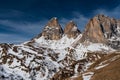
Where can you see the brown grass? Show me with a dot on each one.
(75, 78)
(106, 57)
(110, 72)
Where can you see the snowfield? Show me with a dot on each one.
(45, 58)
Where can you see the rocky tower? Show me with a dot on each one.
(52, 30)
(102, 29)
(71, 30)
(93, 32)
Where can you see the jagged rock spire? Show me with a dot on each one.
(53, 22)
(93, 32)
(102, 29)
(71, 30)
(52, 30)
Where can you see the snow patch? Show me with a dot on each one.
(74, 28)
(63, 43)
(94, 47)
(99, 67)
(87, 76)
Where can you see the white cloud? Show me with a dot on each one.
(79, 19)
(11, 38)
(8, 13)
(27, 30)
(111, 13)
(82, 20)
(34, 28)
(28, 27)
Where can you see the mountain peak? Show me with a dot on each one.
(53, 22)
(52, 30)
(100, 15)
(71, 30)
(102, 29)
(70, 26)
(93, 32)
(53, 56)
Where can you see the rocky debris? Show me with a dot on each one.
(39, 63)
(52, 30)
(4, 75)
(28, 60)
(76, 67)
(36, 60)
(71, 30)
(5, 48)
(106, 67)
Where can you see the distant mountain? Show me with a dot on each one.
(57, 54)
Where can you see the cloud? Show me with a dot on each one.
(112, 13)
(82, 20)
(78, 18)
(8, 13)
(19, 31)
(12, 38)
(30, 29)
(25, 26)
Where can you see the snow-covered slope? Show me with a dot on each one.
(47, 57)
(63, 43)
(42, 59)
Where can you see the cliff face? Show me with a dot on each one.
(59, 55)
(93, 32)
(71, 30)
(99, 29)
(52, 30)
(102, 29)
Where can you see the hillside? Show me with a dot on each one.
(66, 54)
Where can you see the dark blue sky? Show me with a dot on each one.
(20, 20)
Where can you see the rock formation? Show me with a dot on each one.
(93, 32)
(102, 29)
(53, 56)
(71, 30)
(52, 30)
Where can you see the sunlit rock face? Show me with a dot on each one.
(102, 29)
(52, 30)
(57, 55)
(71, 30)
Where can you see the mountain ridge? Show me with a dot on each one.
(57, 54)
